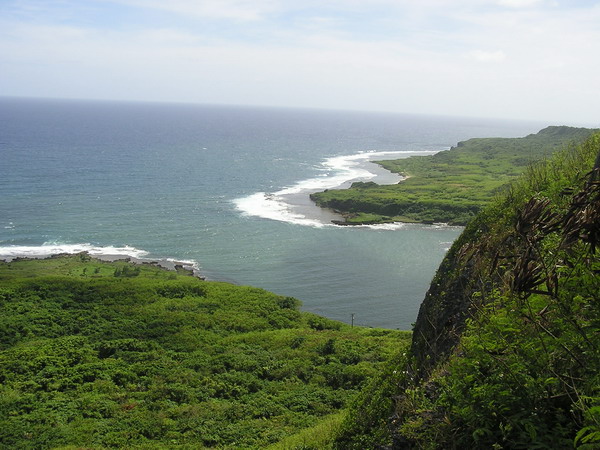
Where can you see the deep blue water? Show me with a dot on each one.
(227, 188)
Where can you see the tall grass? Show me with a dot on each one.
(318, 437)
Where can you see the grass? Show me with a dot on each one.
(319, 437)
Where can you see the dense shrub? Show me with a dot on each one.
(162, 360)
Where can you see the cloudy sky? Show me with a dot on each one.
(527, 59)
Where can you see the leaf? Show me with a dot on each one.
(586, 435)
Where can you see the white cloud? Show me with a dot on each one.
(468, 60)
(239, 10)
(487, 56)
(519, 3)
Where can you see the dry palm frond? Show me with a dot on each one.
(528, 273)
(536, 216)
(582, 221)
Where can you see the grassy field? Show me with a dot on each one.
(115, 355)
(450, 186)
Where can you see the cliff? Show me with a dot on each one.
(506, 347)
(505, 350)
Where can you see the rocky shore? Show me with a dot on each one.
(167, 264)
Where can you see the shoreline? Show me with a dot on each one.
(372, 220)
(167, 264)
(293, 204)
(164, 263)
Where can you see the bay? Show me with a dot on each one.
(226, 188)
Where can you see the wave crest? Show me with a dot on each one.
(52, 248)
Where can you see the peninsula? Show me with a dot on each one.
(450, 186)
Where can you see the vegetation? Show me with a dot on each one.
(112, 355)
(522, 368)
(505, 352)
(367, 424)
(450, 186)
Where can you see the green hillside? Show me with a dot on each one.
(506, 347)
(450, 186)
(505, 352)
(114, 355)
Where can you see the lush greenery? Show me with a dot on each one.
(525, 372)
(367, 424)
(505, 353)
(99, 355)
(450, 186)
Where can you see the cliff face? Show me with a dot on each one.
(442, 315)
(506, 347)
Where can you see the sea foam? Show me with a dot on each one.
(275, 207)
(109, 253)
(289, 205)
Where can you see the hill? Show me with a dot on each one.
(451, 186)
(115, 355)
(506, 348)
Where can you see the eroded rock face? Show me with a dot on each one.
(450, 300)
(442, 315)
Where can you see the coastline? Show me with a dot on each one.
(164, 263)
(167, 264)
(294, 204)
(449, 186)
(361, 218)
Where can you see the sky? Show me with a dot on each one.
(514, 59)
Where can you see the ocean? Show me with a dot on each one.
(225, 189)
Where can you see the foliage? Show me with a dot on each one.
(525, 371)
(367, 422)
(111, 355)
(319, 437)
(450, 186)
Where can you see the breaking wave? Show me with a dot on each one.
(289, 204)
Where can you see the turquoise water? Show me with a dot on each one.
(226, 188)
